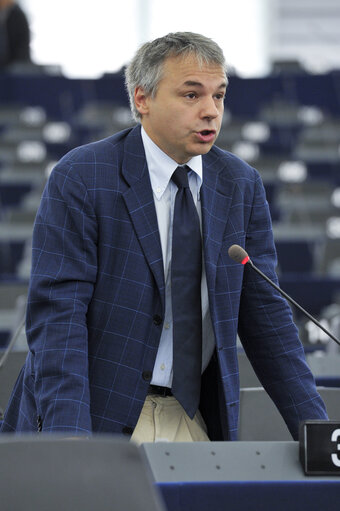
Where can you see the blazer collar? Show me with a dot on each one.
(140, 204)
(216, 195)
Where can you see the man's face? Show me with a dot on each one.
(184, 118)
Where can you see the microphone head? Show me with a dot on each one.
(238, 254)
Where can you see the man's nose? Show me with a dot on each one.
(209, 108)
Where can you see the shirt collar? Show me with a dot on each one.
(161, 166)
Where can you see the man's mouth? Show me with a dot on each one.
(206, 135)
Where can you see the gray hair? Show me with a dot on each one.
(146, 68)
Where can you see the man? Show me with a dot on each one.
(103, 319)
(14, 34)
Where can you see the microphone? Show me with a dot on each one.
(239, 255)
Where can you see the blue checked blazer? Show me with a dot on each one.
(96, 297)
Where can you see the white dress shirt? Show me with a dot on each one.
(161, 167)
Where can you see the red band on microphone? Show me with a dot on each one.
(245, 260)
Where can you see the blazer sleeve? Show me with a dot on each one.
(266, 327)
(64, 266)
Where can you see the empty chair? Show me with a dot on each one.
(319, 142)
(11, 252)
(23, 173)
(13, 296)
(328, 260)
(11, 194)
(281, 112)
(295, 256)
(15, 134)
(10, 291)
(98, 473)
(313, 292)
(306, 203)
(267, 165)
(10, 114)
(231, 132)
(9, 371)
(104, 115)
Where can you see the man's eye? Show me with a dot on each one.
(191, 95)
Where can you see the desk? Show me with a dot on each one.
(238, 476)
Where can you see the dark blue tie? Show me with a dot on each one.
(186, 273)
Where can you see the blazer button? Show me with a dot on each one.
(127, 430)
(147, 375)
(39, 424)
(157, 320)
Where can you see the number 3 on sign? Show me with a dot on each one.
(335, 457)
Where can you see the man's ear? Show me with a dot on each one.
(141, 100)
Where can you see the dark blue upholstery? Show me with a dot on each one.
(252, 496)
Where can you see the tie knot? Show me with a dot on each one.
(180, 177)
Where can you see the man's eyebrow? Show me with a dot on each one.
(193, 83)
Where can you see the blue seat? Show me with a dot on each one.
(328, 381)
(295, 256)
(312, 292)
(4, 337)
(281, 142)
(11, 253)
(11, 194)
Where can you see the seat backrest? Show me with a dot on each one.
(100, 473)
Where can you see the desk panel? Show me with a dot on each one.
(252, 496)
(238, 476)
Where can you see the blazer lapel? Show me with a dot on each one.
(140, 204)
(216, 195)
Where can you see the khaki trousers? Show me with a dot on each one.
(163, 419)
